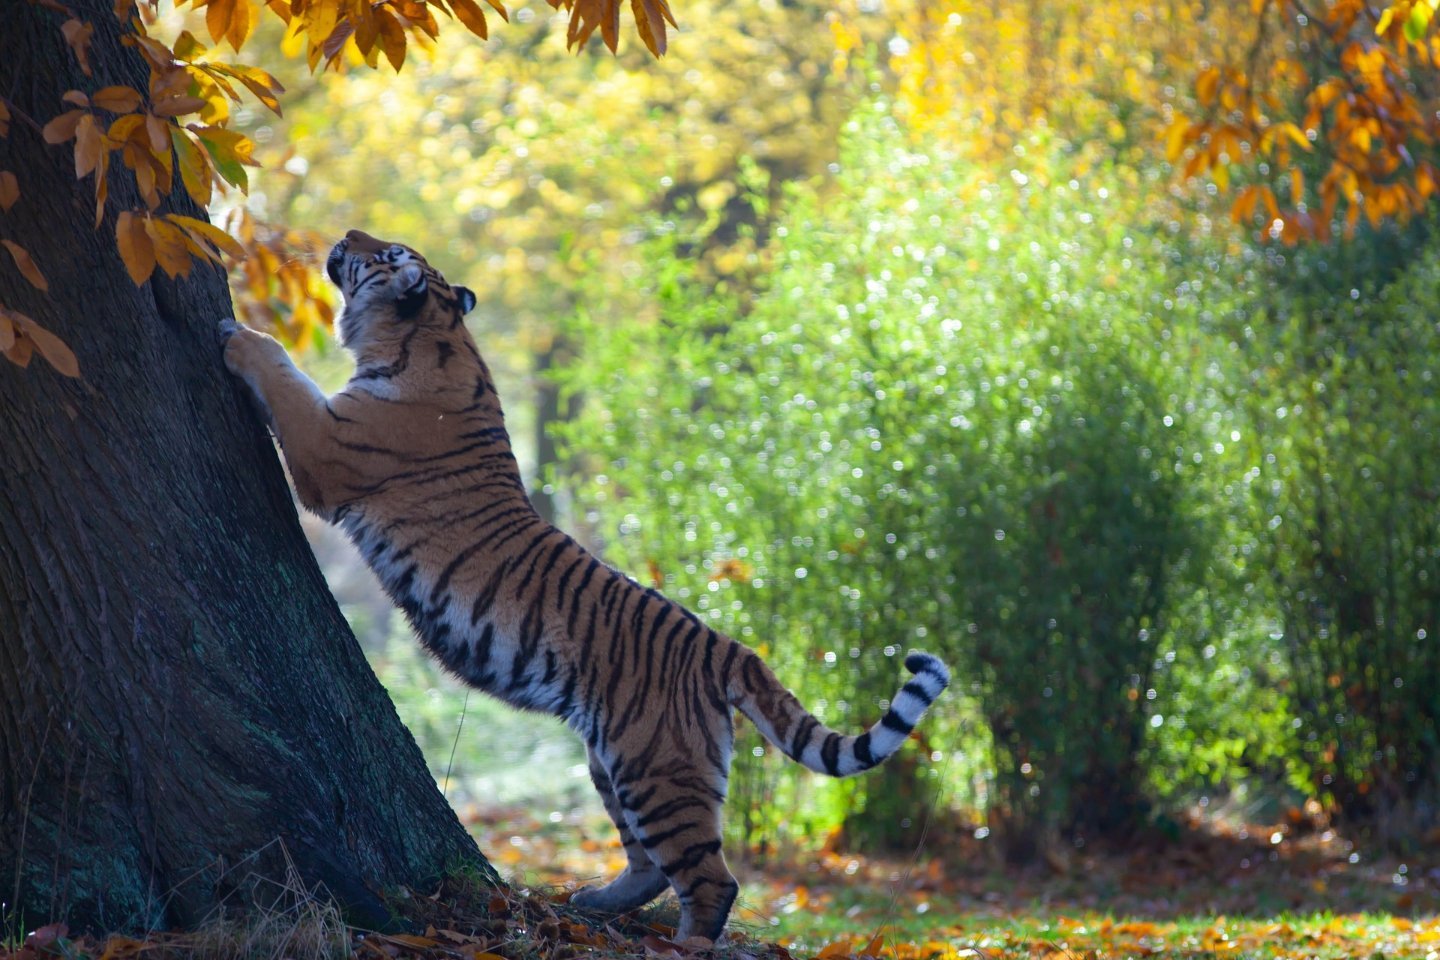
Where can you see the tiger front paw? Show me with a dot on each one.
(247, 350)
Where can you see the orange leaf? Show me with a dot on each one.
(51, 347)
(4, 119)
(62, 128)
(217, 17)
(78, 35)
(9, 190)
(117, 99)
(844, 947)
(472, 16)
(159, 133)
(26, 265)
(136, 249)
(392, 38)
(7, 331)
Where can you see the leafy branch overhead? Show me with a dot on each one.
(175, 133)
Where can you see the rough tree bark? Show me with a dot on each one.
(182, 707)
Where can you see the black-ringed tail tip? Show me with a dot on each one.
(808, 741)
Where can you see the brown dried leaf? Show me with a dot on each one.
(174, 106)
(78, 35)
(75, 98)
(62, 128)
(89, 144)
(9, 190)
(392, 38)
(62, 358)
(26, 265)
(7, 331)
(119, 99)
(136, 250)
(159, 132)
(19, 354)
(4, 119)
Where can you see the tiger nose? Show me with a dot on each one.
(362, 242)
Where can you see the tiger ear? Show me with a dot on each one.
(464, 299)
(411, 288)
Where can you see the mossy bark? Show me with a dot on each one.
(183, 711)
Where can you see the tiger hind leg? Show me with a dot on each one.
(641, 881)
(677, 821)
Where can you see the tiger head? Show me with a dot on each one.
(389, 289)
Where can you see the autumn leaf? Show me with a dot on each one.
(217, 17)
(89, 143)
(174, 106)
(136, 250)
(118, 99)
(77, 37)
(4, 119)
(230, 151)
(194, 167)
(210, 233)
(171, 252)
(392, 38)
(26, 265)
(62, 128)
(9, 190)
(51, 347)
(470, 14)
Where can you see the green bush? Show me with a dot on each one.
(1343, 482)
(965, 416)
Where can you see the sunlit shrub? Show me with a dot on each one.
(1344, 485)
(958, 419)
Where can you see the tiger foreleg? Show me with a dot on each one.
(290, 401)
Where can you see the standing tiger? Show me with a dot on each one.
(413, 460)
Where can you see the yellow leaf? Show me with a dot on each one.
(242, 22)
(117, 99)
(26, 265)
(210, 233)
(51, 347)
(9, 190)
(136, 250)
(170, 249)
(194, 166)
(1206, 85)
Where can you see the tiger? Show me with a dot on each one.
(412, 459)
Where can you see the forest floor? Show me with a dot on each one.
(1271, 892)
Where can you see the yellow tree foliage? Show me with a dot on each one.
(1328, 115)
(176, 134)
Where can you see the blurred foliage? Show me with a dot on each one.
(1343, 487)
(898, 329)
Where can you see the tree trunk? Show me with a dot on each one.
(183, 710)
